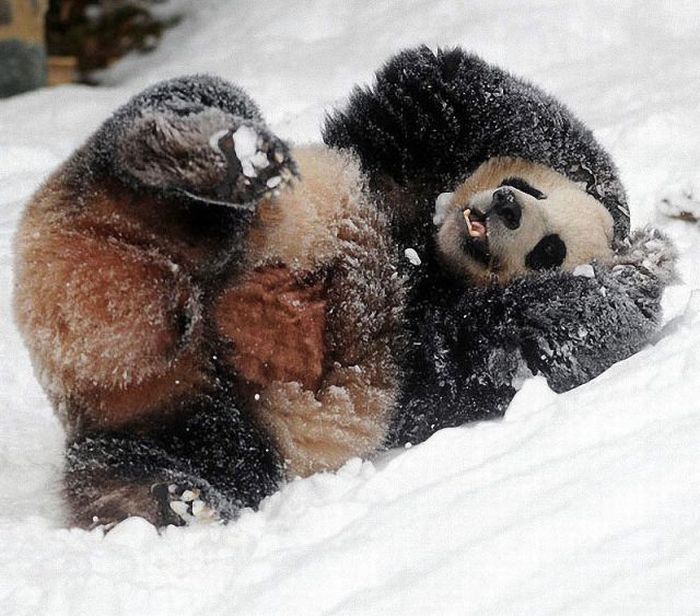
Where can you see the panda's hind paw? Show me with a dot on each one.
(258, 163)
(181, 505)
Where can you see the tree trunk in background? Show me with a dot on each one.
(22, 48)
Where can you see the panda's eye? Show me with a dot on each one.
(549, 252)
(521, 184)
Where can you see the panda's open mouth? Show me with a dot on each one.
(476, 224)
(476, 241)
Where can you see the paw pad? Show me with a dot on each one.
(258, 163)
(184, 503)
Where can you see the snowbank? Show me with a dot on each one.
(587, 502)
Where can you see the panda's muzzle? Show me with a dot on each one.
(504, 204)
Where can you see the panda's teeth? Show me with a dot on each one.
(469, 222)
(475, 228)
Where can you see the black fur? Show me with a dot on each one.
(432, 118)
(213, 447)
(426, 124)
(549, 252)
(524, 186)
(159, 142)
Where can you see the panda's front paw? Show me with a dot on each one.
(650, 251)
(182, 505)
(258, 164)
(681, 200)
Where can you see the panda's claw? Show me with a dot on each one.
(182, 506)
(257, 164)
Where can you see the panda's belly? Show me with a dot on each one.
(273, 323)
(318, 412)
(316, 375)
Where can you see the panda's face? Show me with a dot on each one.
(532, 221)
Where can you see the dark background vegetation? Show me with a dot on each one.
(97, 32)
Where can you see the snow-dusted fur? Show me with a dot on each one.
(431, 119)
(206, 324)
(429, 122)
(472, 347)
(203, 322)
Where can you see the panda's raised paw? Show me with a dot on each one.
(258, 164)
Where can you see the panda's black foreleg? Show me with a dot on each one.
(463, 365)
(571, 328)
(198, 137)
(471, 351)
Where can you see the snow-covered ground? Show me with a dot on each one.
(581, 503)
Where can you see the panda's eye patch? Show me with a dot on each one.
(549, 252)
(521, 184)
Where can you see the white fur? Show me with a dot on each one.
(583, 223)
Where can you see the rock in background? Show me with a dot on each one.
(22, 48)
(94, 33)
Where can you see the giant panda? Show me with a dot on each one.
(211, 311)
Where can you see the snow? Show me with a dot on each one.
(245, 143)
(586, 270)
(582, 503)
(412, 256)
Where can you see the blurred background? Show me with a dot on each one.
(51, 42)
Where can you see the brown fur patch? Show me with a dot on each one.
(152, 398)
(112, 321)
(276, 325)
(346, 418)
(193, 235)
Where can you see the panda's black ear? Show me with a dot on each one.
(549, 252)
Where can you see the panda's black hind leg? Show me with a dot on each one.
(220, 443)
(205, 464)
(109, 477)
(197, 137)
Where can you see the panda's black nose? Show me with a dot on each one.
(506, 207)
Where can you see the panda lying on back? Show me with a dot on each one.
(211, 312)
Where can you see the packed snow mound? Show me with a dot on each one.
(580, 503)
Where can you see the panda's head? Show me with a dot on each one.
(513, 217)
